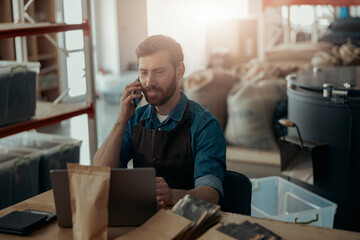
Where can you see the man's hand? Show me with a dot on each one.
(163, 192)
(170, 196)
(127, 108)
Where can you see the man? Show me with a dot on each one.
(176, 136)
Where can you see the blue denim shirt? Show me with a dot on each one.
(207, 140)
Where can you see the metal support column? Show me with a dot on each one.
(20, 42)
(89, 74)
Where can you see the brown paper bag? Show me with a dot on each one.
(89, 197)
(164, 225)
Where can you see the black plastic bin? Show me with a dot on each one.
(55, 152)
(19, 175)
(17, 91)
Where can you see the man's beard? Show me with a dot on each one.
(164, 94)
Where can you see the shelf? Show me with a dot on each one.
(43, 57)
(8, 30)
(46, 114)
(338, 3)
(51, 88)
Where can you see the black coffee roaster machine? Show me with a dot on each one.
(323, 128)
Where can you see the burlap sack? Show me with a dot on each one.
(210, 88)
(345, 55)
(251, 106)
(325, 59)
(258, 70)
(89, 197)
(299, 52)
(350, 55)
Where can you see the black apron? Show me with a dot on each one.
(169, 152)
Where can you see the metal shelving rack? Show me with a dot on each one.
(279, 3)
(47, 113)
(336, 3)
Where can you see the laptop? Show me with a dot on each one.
(132, 197)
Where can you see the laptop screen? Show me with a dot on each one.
(132, 197)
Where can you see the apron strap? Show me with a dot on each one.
(185, 120)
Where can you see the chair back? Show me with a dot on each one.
(237, 193)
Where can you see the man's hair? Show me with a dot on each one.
(157, 43)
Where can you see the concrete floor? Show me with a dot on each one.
(77, 128)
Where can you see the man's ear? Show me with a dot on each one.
(180, 70)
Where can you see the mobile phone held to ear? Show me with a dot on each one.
(136, 100)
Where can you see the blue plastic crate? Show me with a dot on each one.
(279, 199)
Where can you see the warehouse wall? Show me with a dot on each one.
(132, 29)
(120, 25)
(106, 35)
(187, 22)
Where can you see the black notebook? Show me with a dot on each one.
(21, 223)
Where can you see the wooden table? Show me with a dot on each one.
(286, 230)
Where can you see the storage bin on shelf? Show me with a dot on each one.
(19, 175)
(277, 198)
(55, 152)
(17, 91)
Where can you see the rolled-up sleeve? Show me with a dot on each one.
(209, 153)
(212, 181)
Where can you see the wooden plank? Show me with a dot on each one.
(46, 114)
(48, 109)
(45, 202)
(27, 29)
(7, 49)
(5, 16)
(288, 230)
(241, 154)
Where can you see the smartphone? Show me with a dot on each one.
(136, 100)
